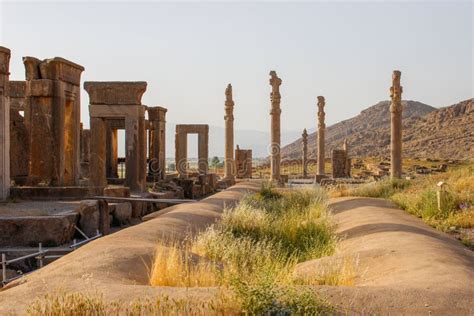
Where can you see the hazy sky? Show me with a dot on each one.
(188, 52)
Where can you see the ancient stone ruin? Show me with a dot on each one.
(396, 109)
(182, 131)
(275, 113)
(321, 136)
(341, 163)
(157, 145)
(304, 158)
(117, 105)
(243, 161)
(229, 164)
(52, 115)
(19, 137)
(4, 123)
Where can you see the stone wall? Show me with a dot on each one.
(340, 164)
(4, 123)
(53, 120)
(19, 135)
(243, 162)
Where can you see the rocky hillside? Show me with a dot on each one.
(446, 133)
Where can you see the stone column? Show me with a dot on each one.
(98, 175)
(304, 159)
(4, 123)
(275, 113)
(157, 119)
(396, 126)
(229, 164)
(135, 153)
(345, 147)
(321, 135)
(112, 152)
(181, 144)
(203, 151)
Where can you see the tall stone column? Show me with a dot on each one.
(275, 113)
(229, 163)
(181, 145)
(4, 123)
(203, 151)
(157, 118)
(321, 135)
(98, 177)
(396, 126)
(304, 159)
(135, 153)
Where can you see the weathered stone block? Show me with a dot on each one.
(122, 214)
(40, 88)
(117, 192)
(89, 217)
(118, 93)
(28, 231)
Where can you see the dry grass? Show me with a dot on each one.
(339, 272)
(250, 256)
(93, 304)
(176, 265)
(418, 196)
(254, 250)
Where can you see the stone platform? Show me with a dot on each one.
(52, 193)
(28, 223)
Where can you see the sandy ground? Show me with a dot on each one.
(401, 266)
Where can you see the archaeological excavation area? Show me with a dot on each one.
(77, 218)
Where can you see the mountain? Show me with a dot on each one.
(446, 133)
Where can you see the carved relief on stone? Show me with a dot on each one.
(229, 103)
(321, 114)
(396, 91)
(275, 95)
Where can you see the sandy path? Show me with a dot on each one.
(403, 266)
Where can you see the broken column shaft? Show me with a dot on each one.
(304, 159)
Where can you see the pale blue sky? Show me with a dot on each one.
(188, 52)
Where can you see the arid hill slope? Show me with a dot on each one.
(445, 133)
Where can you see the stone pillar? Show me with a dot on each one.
(321, 135)
(53, 121)
(135, 153)
(181, 146)
(85, 153)
(229, 163)
(304, 158)
(275, 113)
(4, 123)
(203, 151)
(112, 152)
(345, 147)
(396, 126)
(243, 162)
(157, 121)
(19, 135)
(98, 175)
